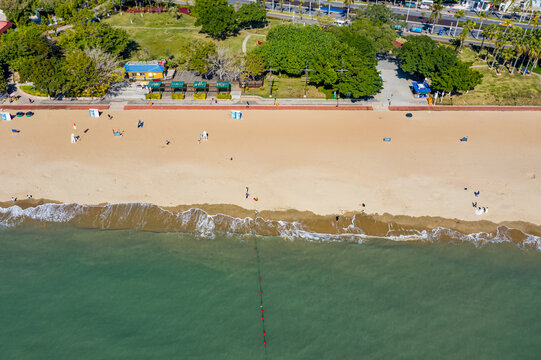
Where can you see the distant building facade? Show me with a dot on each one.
(145, 70)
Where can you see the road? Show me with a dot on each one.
(426, 30)
(447, 21)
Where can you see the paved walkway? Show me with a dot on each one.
(396, 86)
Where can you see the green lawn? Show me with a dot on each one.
(284, 87)
(469, 55)
(504, 89)
(162, 35)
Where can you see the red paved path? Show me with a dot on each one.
(53, 107)
(464, 108)
(243, 107)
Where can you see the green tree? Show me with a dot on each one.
(81, 73)
(507, 54)
(467, 27)
(520, 48)
(436, 14)
(421, 56)
(90, 35)
(488, 33)
(195, 55)
(459, 77)
(216, 17)
(348, 4)
(17, 11)
(47, 75)
(379, 14)
(3, 83)
(458, 15)
(24, 42)
(254, 65)
(482, 17)
(289, 47)
(252, 15)
(381, 34)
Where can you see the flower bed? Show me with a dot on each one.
(202, 96)
(223, 96)
(153, 96)
(179, 96)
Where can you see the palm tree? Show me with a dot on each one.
(436, 14)
(507, 23)
(467, 27)
(500, 42)
(507, 54)
(535, 51)
(488, 33)
(520, 48)
(482, 16)
(534, 21)
(348, 3)
(458, 14)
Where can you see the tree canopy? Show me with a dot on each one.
(252, 15)
(108, 38)
(376, 22)
(254, 65)
(216, 17)
(424, 58)
(24, 42)
(340, 60)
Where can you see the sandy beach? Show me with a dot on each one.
(326, 162)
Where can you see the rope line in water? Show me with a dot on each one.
(260, 286)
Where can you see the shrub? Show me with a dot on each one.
(29, 89)
(223, 96)
(178, 96)
(153, 96)
(200, 96)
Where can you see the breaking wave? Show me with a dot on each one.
(148, 217)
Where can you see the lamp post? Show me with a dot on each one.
(341, 71)
(270, 70)
(306, 70)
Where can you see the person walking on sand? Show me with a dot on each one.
(247, 193)
(205, 135)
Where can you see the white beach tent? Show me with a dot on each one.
(5, 116)
(94, 113)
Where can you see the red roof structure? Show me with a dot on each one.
(4, 25)
(397, 44)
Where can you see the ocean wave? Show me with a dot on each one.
(149, 217)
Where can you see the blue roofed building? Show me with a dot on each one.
(145, 70)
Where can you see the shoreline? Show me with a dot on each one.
(150, 217)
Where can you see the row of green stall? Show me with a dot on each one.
(199, 88)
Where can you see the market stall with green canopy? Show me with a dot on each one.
(200, 90)
(223, 87)
(177, 86)
(153, 85)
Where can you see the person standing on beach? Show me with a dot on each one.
(247, 194)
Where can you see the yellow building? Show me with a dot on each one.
(145, 70)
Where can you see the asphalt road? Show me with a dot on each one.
(447, 20)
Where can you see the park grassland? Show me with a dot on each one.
(162, 35)
(285, 87)
(503, 89)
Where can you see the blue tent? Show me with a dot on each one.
(421, 88)
(325, 9)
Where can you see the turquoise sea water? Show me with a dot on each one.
(69, 293)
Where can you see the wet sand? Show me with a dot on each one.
(322, 162)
